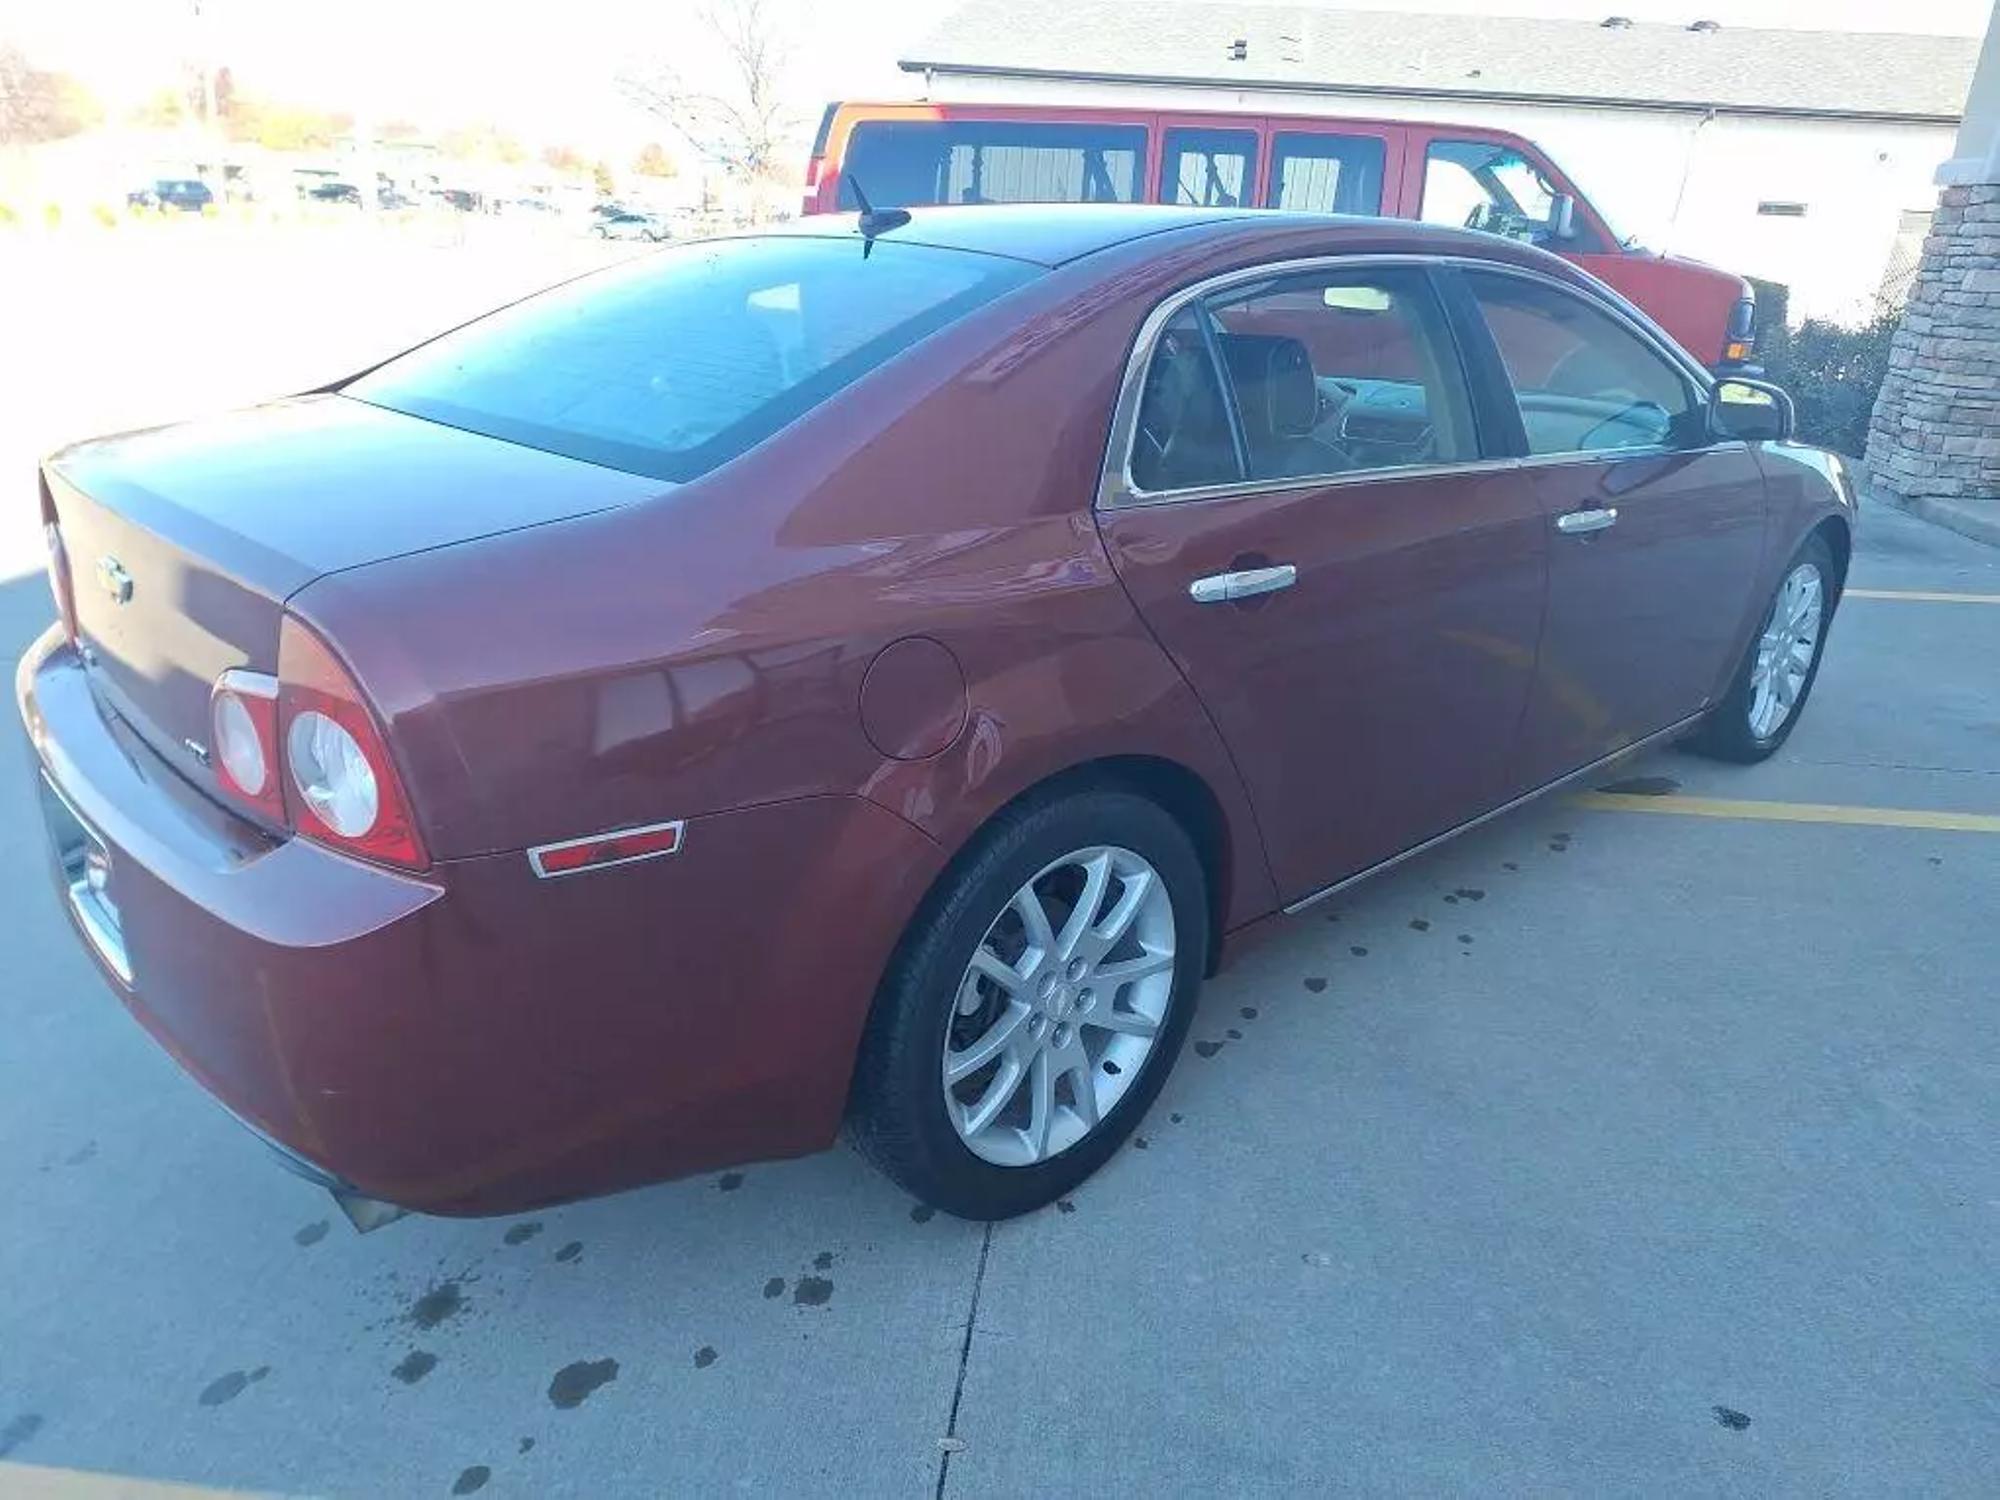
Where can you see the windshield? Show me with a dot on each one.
(674, 364)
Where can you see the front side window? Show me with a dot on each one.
(1320, 173)
(674, 364)
(1208, 168)
(1585, 382)
(1340, 371)
(899, 163)
(1483, 185)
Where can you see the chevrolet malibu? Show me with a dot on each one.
(862, 673)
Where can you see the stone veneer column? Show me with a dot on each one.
(1935, 432)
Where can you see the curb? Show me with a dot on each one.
(1978, 519)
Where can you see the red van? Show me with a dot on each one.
(1463, 175)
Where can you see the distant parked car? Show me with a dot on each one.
(335, 192)
(939, 639)
(629, 226)
(185, 194)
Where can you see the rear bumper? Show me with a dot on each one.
(477, 1040)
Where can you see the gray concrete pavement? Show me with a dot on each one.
(1594, 1154)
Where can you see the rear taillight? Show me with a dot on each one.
(243, 740)
(336, 775)
(1740, 337)
(61, 583)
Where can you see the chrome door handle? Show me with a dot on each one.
(1220, 588)
(1582, 522)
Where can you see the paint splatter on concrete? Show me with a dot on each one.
(574, 1383)
(520, 1234)
(414, 1366)
(224, 1388)
(312, 1234)
(471, 1479)
(812, 1291)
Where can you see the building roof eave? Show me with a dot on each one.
(1365, 90)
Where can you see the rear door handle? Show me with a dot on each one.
(1220, 588)
(1583, 522)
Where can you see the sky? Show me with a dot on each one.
(543, 69)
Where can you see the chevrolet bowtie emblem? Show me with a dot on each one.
(114, 580)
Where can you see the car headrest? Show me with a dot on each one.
(1275, 386)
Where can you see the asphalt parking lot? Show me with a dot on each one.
(1598, 1153)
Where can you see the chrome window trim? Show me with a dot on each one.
(1117, 490)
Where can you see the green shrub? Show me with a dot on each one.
(1833, 374)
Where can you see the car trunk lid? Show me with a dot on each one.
(184, 542)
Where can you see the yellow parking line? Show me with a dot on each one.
(1789, 812)
(1921, 596)
(34, 1482)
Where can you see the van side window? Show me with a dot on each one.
(1585, 382)
(1321, 173)
(900, 163)
(1208, 168)
(1182, 436)
(1334, 371)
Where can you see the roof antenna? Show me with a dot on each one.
(873, 220)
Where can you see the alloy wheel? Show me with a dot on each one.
(1060, 1006)
(1785, 650)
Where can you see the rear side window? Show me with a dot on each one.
(1585, 382)
(678, 362)
(1313, 172)
(904, 162)
(1208, 168)
(1182, 437)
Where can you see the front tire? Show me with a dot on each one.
(1770, 688)
(1036, 1005)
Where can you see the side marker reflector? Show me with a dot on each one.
(600, 851)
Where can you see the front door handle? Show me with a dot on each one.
(1583, 522)
(1220, 588)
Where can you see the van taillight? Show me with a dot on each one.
(1740, 337)
(332, 764)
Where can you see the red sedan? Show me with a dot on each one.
(863, 672)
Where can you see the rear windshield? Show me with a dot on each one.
(906, 162)
(680, 361)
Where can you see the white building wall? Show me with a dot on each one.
(1854, 177)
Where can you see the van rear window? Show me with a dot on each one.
(677, 362)
(900, 163)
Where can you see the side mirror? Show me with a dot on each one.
(1562, 217)
(1751, 411)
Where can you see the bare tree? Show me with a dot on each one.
(738, 122)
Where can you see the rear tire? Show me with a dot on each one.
(1769, 691)
(1087, 1031)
